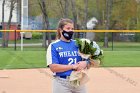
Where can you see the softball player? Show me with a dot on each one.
(62, 58)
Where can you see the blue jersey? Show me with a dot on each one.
(65, 53)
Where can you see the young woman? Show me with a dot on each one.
(62, 58)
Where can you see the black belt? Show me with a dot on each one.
(63, 77)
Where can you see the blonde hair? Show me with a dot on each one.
(61, 24)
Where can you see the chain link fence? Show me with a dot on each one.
(35, 39)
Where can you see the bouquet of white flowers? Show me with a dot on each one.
(91, 51)
(88, 51)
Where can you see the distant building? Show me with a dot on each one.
(12, 34)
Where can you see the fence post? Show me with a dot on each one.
(21, 33)
(15, 41)
(112, 41)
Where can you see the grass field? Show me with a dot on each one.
(22, 59)
(121, 58)
(124, 55)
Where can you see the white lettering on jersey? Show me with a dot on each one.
(68, 53)
(61, 54)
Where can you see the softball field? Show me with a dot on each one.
(102, 80)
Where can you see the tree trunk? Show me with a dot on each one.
(97, 7)
(12, 4)
(74, 13)
(86, 13)
(86, 16)
(66, 8)
(61, 8)
(19, 12)
(108, 14)
(46, 20)
(138, 16)
(3, 35)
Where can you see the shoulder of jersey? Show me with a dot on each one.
(56, 41)
(73, 40)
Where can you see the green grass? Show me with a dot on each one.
(124, 55)
(121, 58)
(36, 59)
(22, 59)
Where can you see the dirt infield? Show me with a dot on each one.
(102, 80)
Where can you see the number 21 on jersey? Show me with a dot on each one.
(72, 61)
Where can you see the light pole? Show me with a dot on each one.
(24, 19)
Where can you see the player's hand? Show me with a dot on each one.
(82, 65)
(75, 66)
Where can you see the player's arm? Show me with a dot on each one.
(62, 68)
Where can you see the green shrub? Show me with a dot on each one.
(137, 37)
(36, 35)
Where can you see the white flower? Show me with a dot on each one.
(84, 41)
(102, 52)
(95, 45)
(87, 40)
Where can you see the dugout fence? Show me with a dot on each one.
(124, 41)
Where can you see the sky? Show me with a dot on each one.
(7, 10)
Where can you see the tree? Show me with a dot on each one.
(63, 7)
(19, 11)
(124, 13)
(108, 16)
(86, 15)
(3, 35)
(111, 14)
(12, 6)
(66, 8)
(42, 5)
(6, 34)
(138, 14)
(74, 13)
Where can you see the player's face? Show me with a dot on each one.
(67, 31)
(68, 27)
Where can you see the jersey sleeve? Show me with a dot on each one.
(51, 56)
